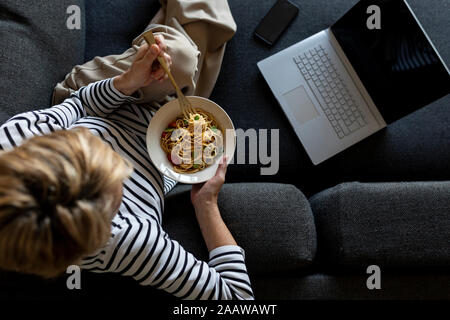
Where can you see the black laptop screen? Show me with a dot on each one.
(396, 63)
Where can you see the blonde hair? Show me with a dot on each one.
(56, 200)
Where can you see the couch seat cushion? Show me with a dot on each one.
(273, 223)
(389, 224)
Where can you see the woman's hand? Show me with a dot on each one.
(206, 194)
(145, 68)
(204, 198)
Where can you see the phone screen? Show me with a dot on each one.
(276, 21)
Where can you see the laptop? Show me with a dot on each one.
(353, 79)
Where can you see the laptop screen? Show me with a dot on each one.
(396, 63)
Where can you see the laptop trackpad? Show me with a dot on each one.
(300, 105)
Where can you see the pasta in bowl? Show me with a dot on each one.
(188, 149)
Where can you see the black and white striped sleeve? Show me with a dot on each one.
(146, 253)
(40, 122)
(101, 98)
(97, 99)
(169, 184)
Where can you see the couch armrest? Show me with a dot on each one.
(389, 224)
(273, 223)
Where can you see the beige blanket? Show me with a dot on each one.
(195, 32)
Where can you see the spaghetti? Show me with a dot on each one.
(193, 143)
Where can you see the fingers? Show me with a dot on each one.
(211, 188)
(197, 187)
(224, 160)
(141, 52)
(159, 74)
(222, 169)
(152, 54)
(161, 45)
(147, 57)
(160, 42)
(168, 60)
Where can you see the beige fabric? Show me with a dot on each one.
(195, 32)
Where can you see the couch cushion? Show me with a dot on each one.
(400, 152)
(111, 31)
(389, 224)
(94, 286)
(273, 223)
(420, 286)
(37, 52)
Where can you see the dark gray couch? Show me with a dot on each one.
(311, 244)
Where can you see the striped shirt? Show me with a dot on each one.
(138, 246)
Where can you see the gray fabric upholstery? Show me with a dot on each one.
(272, 222)
(348, 287)
(388, 224)
(94, 286)
(37, 51)
(399, 153)
(111, 31)
(414, 148)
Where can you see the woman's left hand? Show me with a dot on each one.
(205, 194)
(145, 68)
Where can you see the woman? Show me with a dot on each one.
(66, 197)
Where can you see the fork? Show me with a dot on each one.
(185, 105)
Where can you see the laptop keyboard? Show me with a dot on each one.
(338, 105)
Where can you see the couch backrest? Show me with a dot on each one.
(37, 50)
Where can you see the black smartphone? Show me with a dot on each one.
(276, 21)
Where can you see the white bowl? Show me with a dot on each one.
(165, 115)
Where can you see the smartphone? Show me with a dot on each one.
(276, 21)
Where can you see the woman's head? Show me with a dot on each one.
(58, 194)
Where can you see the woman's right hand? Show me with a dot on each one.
(145, 68)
